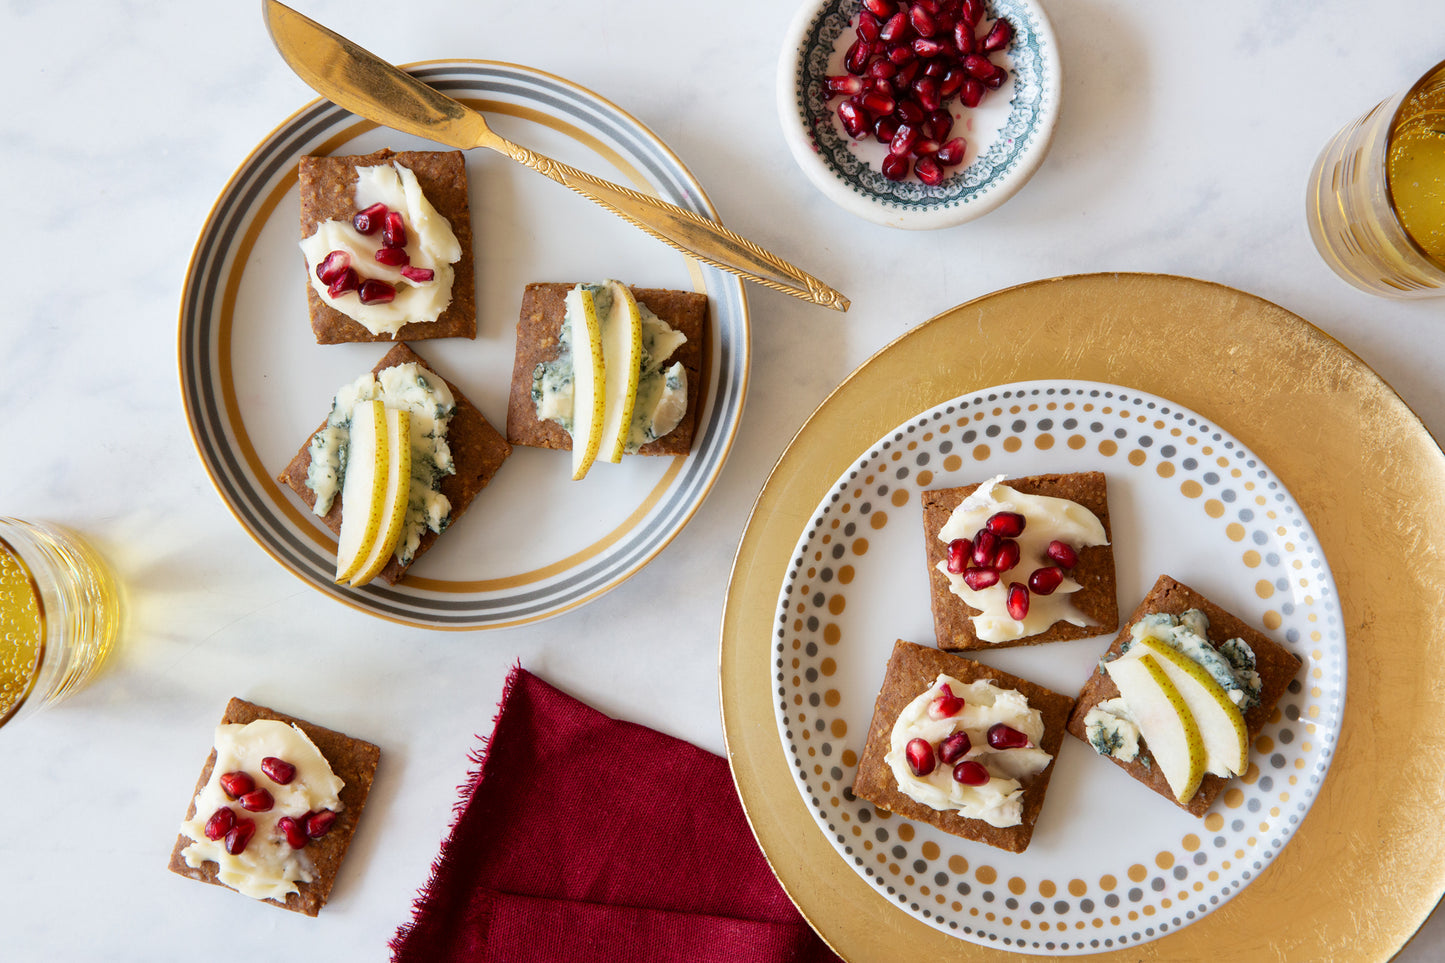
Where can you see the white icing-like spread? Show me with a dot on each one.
(268, 868)
(999, 802)
(1047, 518)
(430, 243)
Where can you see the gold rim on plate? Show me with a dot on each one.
(1367, 474)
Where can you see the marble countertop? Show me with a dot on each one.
(1186, 137)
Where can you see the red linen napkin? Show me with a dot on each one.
(581, 837)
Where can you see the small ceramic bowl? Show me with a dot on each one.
(1007, 134)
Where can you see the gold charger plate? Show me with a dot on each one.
(1364, 469)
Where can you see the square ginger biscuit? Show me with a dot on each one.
(478, 450)
(953, 618)
(543, 308)
(353, 760)
(911, 670)
(328, 192)
(1275, 664)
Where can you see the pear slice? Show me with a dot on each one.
(363, 490)
(1165, 722)
(622, 349)
(398, 495)
(589, 380)
(1221, 724)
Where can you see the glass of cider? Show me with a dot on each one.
(1376, 197)
(60, 614)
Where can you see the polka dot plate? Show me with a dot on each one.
(1111, 863)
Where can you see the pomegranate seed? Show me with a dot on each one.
(909, 112)
(393, 230)
(855, 61)
(903, 141)
(319, 823)
(985, 548)
(417, 275)
(938, 125)
(958, 552)
(878, 103)
(927, 90)
(844, 84)
(970, 773)
(278, 770)
(881, 84)
(1043, 581)
(895, 167)
(951, 153)
(925, 147)
(935, 68)
(295, 835)
(1063, 553)
(368, 219)
(996, 79)
(237, 784)
(951, 82)
(257, 801)
(928, 49)
(901, 54)
(239, 835)
(954, 748)
(971, 93)
(885, 128)
(854, 117)
(1001, 736)
(392, 256)
(922, 20)
(999, 37)
(868, 26)
(896, 28)
(1018, 601)
(349, 281)
(375, 291)
(945, 21)
(963, 38)
(920, 756)
(882, 9)
(979, 67)
(1007, 557)
(906, 73)
(972, 11)
(220, 823)
(880, 70)
(945, 705)
(928, 170)
(1007, 524)
(979, 579)
(333, 266)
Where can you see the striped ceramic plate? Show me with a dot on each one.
(533, 544)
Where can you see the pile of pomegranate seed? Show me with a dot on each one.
(910, 61)
(240, 786)
(335, 270)
(983, 560)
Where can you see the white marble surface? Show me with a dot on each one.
(1186, 137)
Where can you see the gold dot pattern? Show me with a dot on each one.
(1010, 901)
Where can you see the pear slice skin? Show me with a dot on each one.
(396, 499)
(622, 352)
(589, 380)
(363, 489)
(1221, 723)
(1165, 722)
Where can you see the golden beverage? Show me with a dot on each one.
(60, 615)
(1376, 197)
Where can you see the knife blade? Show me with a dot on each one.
(366, 85)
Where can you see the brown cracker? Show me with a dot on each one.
(478, 450)
(328, 192)
(1275, 664)
(543, 308)
(353, 760)
(911, 670)
(1098, 597)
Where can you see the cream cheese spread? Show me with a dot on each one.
(999, 802)
(430, 244)
(426, 396)
(661, 389)
(1048, 518)
(268, 868)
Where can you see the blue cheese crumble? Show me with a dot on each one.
(430, 402)
(1231, 664)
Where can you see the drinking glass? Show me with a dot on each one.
(1376, 197)
(60, 614)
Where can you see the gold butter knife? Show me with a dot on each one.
(362, 83)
